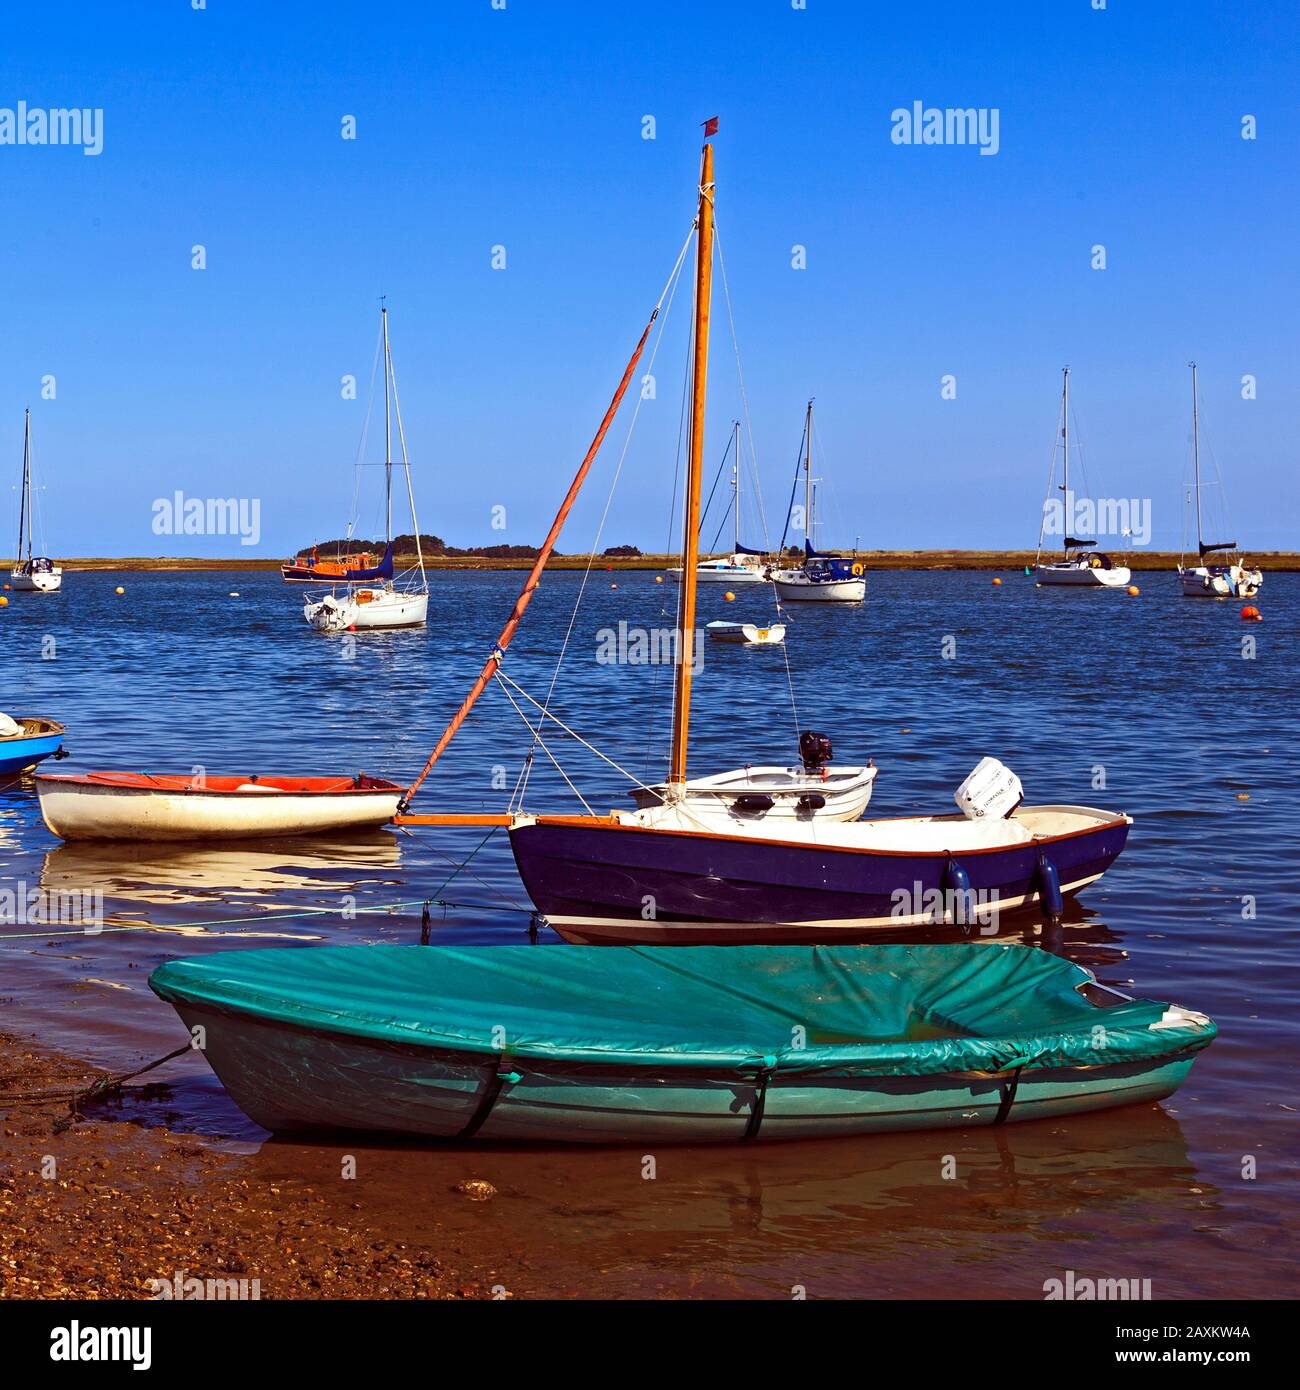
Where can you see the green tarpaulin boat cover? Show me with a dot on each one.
(864, 1010)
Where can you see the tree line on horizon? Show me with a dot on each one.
(435, 546)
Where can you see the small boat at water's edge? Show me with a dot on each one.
(33, 738)
(162, 806)
(529, 1044)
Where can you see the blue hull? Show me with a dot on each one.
(596, 883)
(18, 754)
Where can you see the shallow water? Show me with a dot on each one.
(1143, 705)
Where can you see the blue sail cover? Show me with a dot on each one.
(383, 570)
(830, 562)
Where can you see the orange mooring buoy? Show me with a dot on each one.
(1134, 590)
(729, 596)
(1251, 614)
(997, 583)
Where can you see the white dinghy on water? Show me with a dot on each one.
(746, 634)
(370, 598)
(817, 789)
(1079, 566)
(162, 806)
(1206, 580)
(31, 574)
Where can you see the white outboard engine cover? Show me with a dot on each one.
(991, 792)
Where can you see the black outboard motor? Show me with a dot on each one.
(815, 750)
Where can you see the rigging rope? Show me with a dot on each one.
(670, 291)
(497, 654)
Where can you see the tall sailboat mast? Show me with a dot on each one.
(691, 535)
(807, 479)
(735, 481)
(22, 505)
(1065, 485)
(388, 426)
(1196, 459)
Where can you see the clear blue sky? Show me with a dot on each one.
(523, 128)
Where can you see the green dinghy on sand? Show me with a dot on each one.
(670, 1043)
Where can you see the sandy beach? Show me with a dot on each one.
(96, 1205)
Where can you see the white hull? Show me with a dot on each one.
(42, 582)
(724, 574)
(1083, 576)
(746, 634)
(730, 796)
(388, 608)
(80, 812)
(803, 590)
(1200, 583)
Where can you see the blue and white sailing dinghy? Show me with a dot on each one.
(704, 1044)
(25, 741)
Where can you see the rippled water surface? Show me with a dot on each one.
(1145, 705)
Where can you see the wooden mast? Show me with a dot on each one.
(691, 536)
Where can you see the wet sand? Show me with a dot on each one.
(95, 1205)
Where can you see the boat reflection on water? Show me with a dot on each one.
(889, 1215)
(170, 874)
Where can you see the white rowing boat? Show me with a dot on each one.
(159, 806)
(747, 634)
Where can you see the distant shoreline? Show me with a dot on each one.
(1007, 561)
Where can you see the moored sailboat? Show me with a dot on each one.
(666, 872)
(1235, 579)
(372, 598)
(824, 576)
(32, 574)
(1080, 566)
(744, 565)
